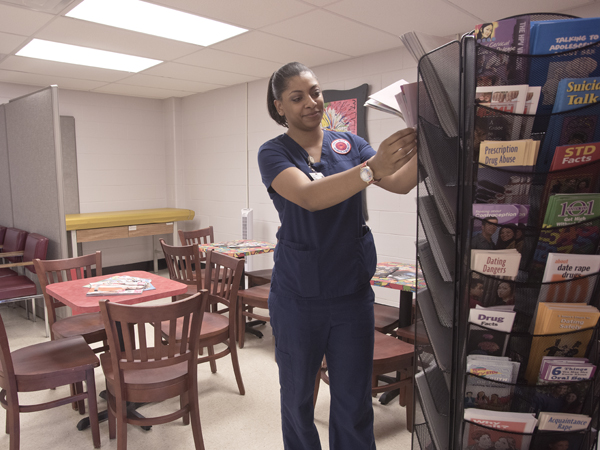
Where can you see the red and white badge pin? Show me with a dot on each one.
(341, 146)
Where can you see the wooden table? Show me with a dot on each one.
(406, 280)
(73, 294)
(239, 248)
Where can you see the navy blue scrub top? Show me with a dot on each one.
(327, 253)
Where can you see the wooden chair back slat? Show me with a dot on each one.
(197, 237)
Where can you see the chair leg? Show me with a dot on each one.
(183, 401)
(236, 366)
(13, 424)
(409, 407)
(195, 418)
(121, 419)
(112, 420)
(80, 405)
(241, 325)
(317, 384)
(213, 364)
(93, 407)
(74, 405)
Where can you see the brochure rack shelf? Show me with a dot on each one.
(446, 191)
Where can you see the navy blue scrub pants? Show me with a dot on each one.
(342, 329)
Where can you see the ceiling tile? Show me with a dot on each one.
(32, 79)
(50, 6)
(327, 30)
(400, 17)
(140, 91)
(230, 62)
(10, 42)
(322, 2)
(243, 13)
(274, 48)
(140, 79)
(52, 68)
(103, 37)
(22, 21)
(193, 73)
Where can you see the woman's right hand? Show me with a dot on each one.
(393, 153)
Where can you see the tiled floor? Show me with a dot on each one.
(229, 421)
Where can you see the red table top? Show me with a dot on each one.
(73, 293)
(239, 248)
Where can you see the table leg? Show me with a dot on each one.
(405, 309)
(73, 243)
(405, 320)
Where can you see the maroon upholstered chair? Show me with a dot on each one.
(36, 246)
(2, 233)
(14, 244)
(15, 287)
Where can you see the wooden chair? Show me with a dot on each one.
(386, 318)
(223, 275)
(88, 325)
(142, 367)
(182, 262)
(197, 237)
(42, 366)
(248, 299)
(259, 277)
(389, 355)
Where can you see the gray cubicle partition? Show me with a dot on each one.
(33, 135)
(6, 218)
(69, 165)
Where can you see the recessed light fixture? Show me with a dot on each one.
(74, 54)
(156, 20)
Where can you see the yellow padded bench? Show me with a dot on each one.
(90, 227)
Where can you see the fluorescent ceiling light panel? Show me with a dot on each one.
(84, 56)
(156, 20)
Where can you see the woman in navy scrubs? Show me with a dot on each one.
(321, 301)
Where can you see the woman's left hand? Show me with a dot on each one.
(393, 153)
